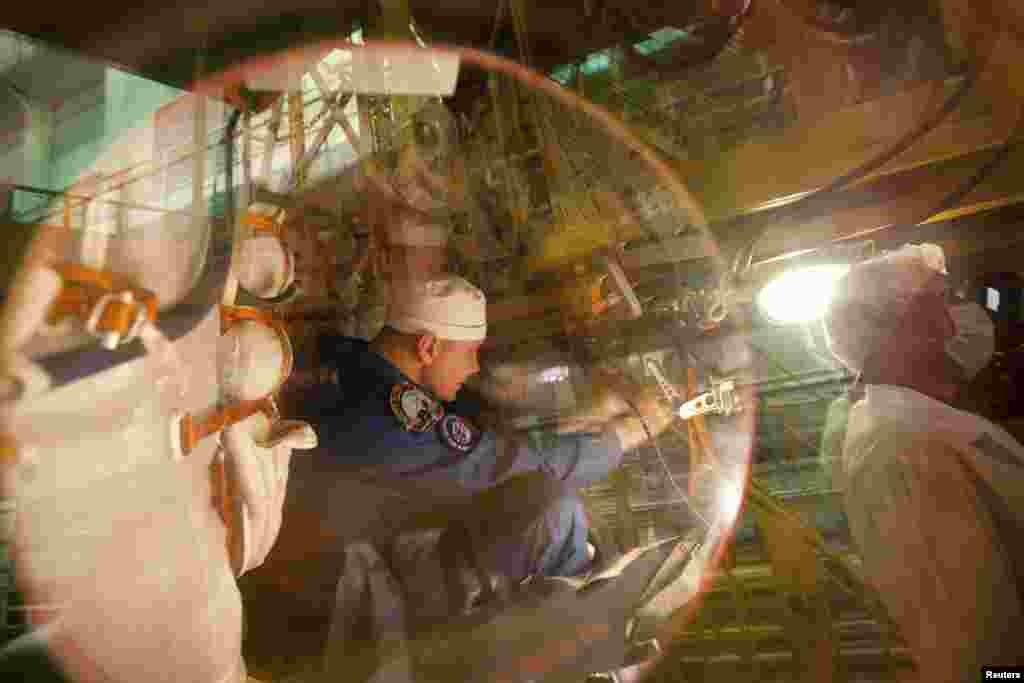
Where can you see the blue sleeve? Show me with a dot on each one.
(579, 460)
(366, 437)
(370, 443)
(582, 459)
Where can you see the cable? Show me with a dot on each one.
(871, 165)
(954, 198)
(683, 496)
(951, 200)
(911, 137)
(904, 143)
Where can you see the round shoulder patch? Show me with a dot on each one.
(414, 408)
(458, 433)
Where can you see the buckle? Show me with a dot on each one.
(721, 400)
(114, 309)
(192, 430)
(111, 339)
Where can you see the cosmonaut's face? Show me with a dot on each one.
(452, 364)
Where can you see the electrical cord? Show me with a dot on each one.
(683, 496)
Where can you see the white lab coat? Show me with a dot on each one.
(934, 496)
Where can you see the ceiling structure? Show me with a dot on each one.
(156, 41)
(836, 76)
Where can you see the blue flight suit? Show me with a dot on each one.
(359, 428)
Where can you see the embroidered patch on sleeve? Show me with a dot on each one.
(459, 434)
(415, 409)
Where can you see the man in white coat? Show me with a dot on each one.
(934, 495)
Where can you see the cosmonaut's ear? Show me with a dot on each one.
(428, 347)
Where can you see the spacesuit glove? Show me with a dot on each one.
(257, 455)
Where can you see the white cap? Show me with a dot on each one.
(874, 295)
(448, 308)
(416, 233)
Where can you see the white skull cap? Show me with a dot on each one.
(875, 292)
(448, 308)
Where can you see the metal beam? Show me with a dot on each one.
(862, 212)
(903, 200)
(337, 109)
(744, 199)
(759, 172)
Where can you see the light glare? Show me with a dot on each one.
(553, 375)
(800, 296)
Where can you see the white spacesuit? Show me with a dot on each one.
(116, 532)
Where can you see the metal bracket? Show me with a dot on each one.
(110, 340)
(113, 307)
(721, 400)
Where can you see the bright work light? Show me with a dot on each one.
(800, 295)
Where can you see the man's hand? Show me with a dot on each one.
(503, 386)
(654, 413)
(611, 396)
(614, 405)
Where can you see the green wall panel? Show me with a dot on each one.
(127, 101)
